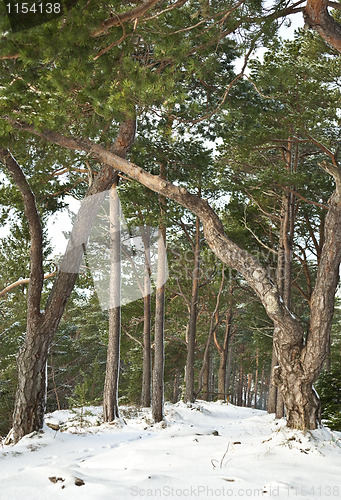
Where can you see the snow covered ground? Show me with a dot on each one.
(201, 451)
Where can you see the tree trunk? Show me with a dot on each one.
(189, 391)
(229, 370)
(223, 353)
(211, 379)
(279, 406)
(147, 361)
(290, 348)
(31, 390)
(272, 398)
(256, 380)
(214, 323)
(302, 404)
(222, 377)
(317, 17)
(261, 394)
(110, 394)
(284, 265)
(206, 377)
(240, 387)
(41, 327)
(249, 392)
(176, 386)
(158, 371)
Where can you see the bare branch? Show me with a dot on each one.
(10, 56)
(256, 237)
(23, 282)
(126, 16)
(175, 5)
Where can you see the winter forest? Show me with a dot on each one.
(170, 238)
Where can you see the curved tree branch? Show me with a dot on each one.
(227, 251)
(23, 281)
(36, 236)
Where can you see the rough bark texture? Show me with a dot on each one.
(317, 17)
(298, 361)
(189, 392)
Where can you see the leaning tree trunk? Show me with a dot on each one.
(189, 383)
(110, 393)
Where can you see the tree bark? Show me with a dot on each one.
(147, 358)
(317, 17)
(223, 353)
(249, 392)
(213, 326)
(284, 265)
(256, 380)
(158, 371)
(206, 376)
(261, 394)
(30, 400)
(240, 386)
(110, 393)
(233, 382)
(295, 357)
(119, 19)
(272, 398)
(176, 386)
(192, 326)
(224, 349)
(229, 369)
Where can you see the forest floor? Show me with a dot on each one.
(201, 451)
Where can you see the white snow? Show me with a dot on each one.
(203, 451)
